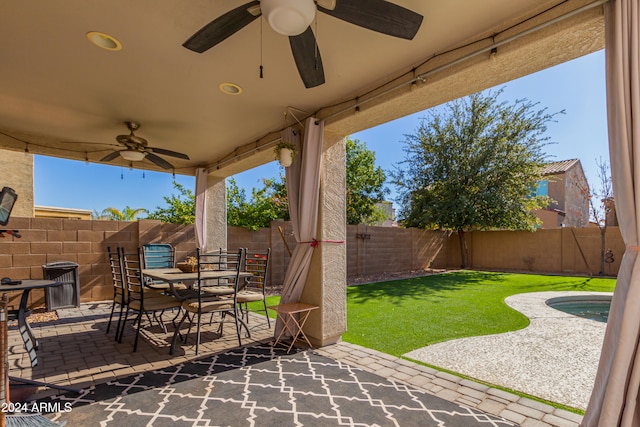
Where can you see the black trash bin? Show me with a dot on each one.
(66, 295)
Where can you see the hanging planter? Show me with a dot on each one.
(285, 153)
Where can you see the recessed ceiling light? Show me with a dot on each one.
(230, 88)
(104, 41)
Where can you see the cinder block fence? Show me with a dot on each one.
(370, 250)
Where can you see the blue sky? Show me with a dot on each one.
(578, 87)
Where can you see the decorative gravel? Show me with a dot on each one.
(554, 358)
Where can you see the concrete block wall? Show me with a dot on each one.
(559, 251)
(373, 250)
(430, 248)
(370, 250)
(46, 240)
(516, 249)
(180, 236)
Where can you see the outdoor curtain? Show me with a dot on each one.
(303, 192)
(614, 400)
(200, 208)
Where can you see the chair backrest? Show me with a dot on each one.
(117, 275)
(159, 255)
(221, 260)
(133, 277)
(256, 263)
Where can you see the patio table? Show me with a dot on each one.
(30, 342)
(28, 337)
(175, 275)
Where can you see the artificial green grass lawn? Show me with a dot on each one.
(403, 315)
(398, 316)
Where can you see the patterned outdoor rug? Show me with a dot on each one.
(262, 386)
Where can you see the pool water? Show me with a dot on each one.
(588, 307)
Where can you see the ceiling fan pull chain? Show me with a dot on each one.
(261, 68)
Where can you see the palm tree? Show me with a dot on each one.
(95, 215)
(127, 214)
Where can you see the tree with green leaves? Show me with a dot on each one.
(473, 165)
(266, 204)
(365, 185)
(114, 214)
(365, 188)
(98, 216)
(181, 208)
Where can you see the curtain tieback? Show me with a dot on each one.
(633, 248)
(314, 243)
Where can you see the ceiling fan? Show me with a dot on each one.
(292, 18)
(136, 149)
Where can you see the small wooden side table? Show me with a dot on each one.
(287, 313)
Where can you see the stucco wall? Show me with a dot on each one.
(556, 191)
(576, 201)
(567, 191)
(549, 218)
(17, 173)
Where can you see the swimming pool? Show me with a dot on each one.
(593, 307)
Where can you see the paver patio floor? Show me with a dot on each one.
(76, 351)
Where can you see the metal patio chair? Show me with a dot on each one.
(253, 288)
(209, 301)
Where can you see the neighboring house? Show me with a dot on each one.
(611, 218)
(66, 213)
(389, 213)
(567, 187)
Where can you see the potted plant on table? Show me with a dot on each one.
(189, 265)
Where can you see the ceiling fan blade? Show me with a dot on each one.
(307, 56)
(110, 156)
(158, 161)
(168, 153)
(378, 15)
(222, 27)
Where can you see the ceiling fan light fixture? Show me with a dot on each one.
(289, 17)
(104, 41)
(132, 155)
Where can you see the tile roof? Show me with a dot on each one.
(559, 167)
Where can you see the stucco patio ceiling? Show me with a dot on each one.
(62, 96)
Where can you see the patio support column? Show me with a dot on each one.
(326, 284)
(216, 207)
